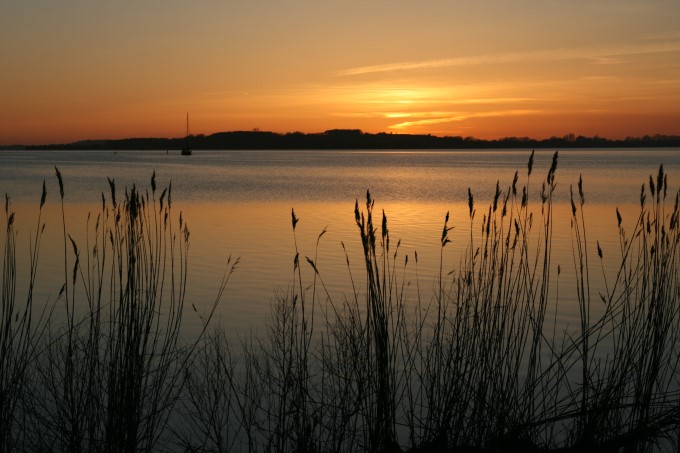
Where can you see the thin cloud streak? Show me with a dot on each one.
(463, 117)
(602, 55)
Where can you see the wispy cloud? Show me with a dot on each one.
(598, 55)
(226, 93)
(418, 114)
(462, 117)
(491, 100)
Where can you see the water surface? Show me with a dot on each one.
(239, 203)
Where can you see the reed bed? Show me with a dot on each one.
(104, 368)
(480, 364)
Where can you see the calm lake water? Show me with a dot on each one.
(239, 203)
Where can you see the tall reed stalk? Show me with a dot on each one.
(18, 329)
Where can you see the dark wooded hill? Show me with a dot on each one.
(356, 139)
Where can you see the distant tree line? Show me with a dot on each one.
(356, 139)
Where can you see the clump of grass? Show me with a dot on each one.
(112, 369)
(628, 398)
(480, 367)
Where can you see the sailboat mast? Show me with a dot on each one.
(186, 150)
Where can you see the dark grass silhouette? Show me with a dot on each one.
(480, 365)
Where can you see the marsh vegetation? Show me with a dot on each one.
(478, 362)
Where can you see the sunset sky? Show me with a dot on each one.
(79, 69)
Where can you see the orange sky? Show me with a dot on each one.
(77, 69)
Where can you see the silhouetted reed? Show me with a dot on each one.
(480, 364)
(18, 330)
(484, 365)
(108, 368)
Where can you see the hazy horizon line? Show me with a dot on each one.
(567, 137)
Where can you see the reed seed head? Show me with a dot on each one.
(445, 232)
(544, 194)
(553, 168)
(311, 263)
(134, 203)
(295, 220)
(649, 225)
(385, 231)
(44, 195)
(77, 262)
(496, 196)
(505, 205)
(112, 185)
(61, 182)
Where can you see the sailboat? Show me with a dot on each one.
(186, 151)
